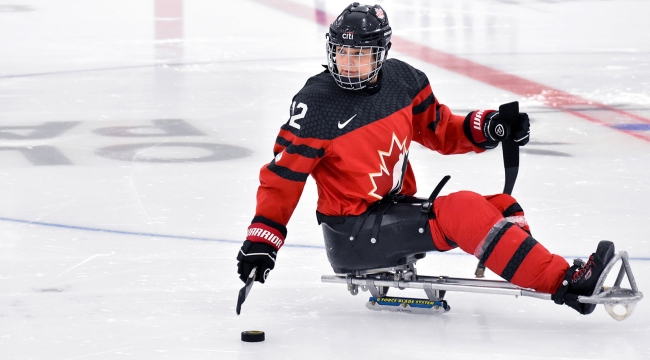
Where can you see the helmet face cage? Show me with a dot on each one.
(362, 63)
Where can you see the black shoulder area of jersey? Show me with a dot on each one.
(322, 110)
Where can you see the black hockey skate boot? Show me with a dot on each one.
(581, 279)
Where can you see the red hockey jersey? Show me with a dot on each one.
(355, 144)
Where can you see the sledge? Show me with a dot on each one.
(378, 281)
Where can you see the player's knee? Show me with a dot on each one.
(463, 201)
(466, 217)
(506, 199)
(506, 204)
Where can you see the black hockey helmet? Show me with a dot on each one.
(362, 27)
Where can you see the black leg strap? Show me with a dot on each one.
(559, 296)
(427, 206)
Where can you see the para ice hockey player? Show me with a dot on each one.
(351, 128)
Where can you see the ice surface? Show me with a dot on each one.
(132, 133)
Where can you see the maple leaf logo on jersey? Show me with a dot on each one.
(391, 169)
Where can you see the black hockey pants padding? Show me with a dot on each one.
(402, 229)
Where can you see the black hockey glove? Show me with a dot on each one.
(486, 129)
(256, 254)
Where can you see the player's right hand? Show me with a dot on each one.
(486, 128)
(497, 129)
(255, 254)
(521, 129)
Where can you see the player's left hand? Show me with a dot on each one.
(255, 255)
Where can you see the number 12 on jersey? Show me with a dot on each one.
(294, 116)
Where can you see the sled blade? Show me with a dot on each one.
(408, 305)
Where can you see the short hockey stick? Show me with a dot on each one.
(509, 113)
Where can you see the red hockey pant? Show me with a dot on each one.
(478, 225)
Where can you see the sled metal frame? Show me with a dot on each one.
(378, 281)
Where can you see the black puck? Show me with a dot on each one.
(252, 336)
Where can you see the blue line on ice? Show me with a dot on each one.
(120, 232)
(633, 127)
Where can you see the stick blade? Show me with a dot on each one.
(243, 292)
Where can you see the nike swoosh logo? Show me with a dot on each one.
(341, 126)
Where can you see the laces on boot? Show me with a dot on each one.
(585, 269)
